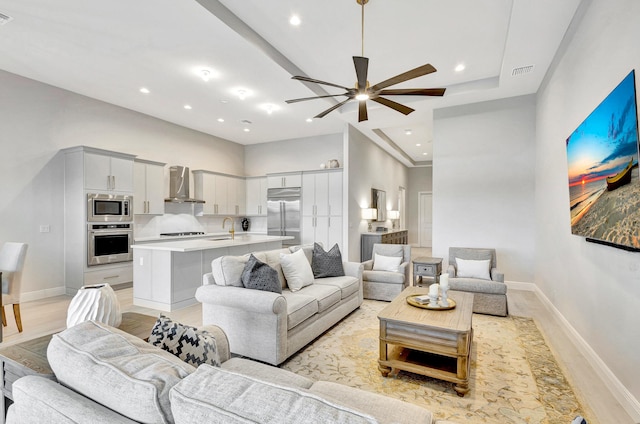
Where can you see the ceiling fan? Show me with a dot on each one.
(363, 91)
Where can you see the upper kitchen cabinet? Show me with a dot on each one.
(288, 179)
(256, 196)
(101, 170)
(108, 172)
(223, 194)
(148, 183)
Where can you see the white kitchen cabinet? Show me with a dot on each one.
(104, 172)
(237, 196)
(290, 179)
(223, 194)
(322, 207)
(256, 204)
(148, 183)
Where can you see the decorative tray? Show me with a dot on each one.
(413, 302)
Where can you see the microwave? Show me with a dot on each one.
(109, 207)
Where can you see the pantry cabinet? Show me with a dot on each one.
(322, 207)
(256, 204)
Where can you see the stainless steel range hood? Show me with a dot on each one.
(179, 186)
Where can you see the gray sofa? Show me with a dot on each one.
(490, 295)
(386, 285)
(268, 326)
(107, 376)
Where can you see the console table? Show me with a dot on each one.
(30, 357)
(367, 241)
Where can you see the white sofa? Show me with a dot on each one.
(107, 376)
(270, 327)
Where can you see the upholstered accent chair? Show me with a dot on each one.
(12, 258)
(386, 285)
(475, 270)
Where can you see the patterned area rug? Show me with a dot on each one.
(514, 376)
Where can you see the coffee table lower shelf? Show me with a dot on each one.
(446, 368)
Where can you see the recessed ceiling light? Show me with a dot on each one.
(269, 107)
(460, 67)
(418, 145)
(220, 120)
(145, 90)
(295, 20)
(309, 120)
(246, 130)
(408, 132)
(188, 107)
(242, 93)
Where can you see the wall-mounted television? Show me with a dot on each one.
(602, 156)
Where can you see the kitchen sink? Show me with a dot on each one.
(220, 238)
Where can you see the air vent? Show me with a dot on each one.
(5, 19)
(521, 70)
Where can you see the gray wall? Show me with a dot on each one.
(483, 181)
(595, 288)
(38, 120)
(369, 167)
(301, 154)
(420, 179)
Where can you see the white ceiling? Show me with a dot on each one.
(109, 49)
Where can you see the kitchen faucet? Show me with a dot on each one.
(233, 227)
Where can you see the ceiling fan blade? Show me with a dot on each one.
(315, 81)
(413, 92)
(362, 111)
(331, 109)
(362, 66)
(406, 76)
(316, 97)
(393, 105)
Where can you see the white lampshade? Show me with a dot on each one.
(369, 213)
(394, 214)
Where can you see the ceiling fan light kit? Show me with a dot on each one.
(363, 91)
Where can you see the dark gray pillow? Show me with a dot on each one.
(192, 345)
(259, 276)
(326, 264)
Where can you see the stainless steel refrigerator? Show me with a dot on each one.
(283, 214)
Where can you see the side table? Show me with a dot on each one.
(30, 357)
(426, 267)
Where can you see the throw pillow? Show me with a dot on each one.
(260, 276)
(386, 263)
(472, 268)
(227, 270)
(193, 346)
(327, 264)
(296, 269)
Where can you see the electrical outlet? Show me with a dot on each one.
(45, 228)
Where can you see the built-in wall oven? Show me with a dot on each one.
(109, 243)
(109, 207)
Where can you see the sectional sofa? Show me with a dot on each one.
(107, 376)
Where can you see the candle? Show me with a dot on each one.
(444, 281)
(433, 289)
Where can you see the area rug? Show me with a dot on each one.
(514, 376)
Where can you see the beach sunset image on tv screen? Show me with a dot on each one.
(602, 155)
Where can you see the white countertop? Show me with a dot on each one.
(191, 237)
(210, 242)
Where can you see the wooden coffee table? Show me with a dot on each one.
(432, 343)
(30, 357)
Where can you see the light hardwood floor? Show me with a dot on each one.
(49, 315)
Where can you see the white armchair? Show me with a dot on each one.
(12, 258)
(490, 292)
(386, 285)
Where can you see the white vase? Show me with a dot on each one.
(94, 303)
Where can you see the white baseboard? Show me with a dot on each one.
(518, 285)
(42, 294)
(615, 386)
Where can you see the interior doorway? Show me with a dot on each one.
(402, 192)
(425, 218)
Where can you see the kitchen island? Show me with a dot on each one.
(167, 274)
